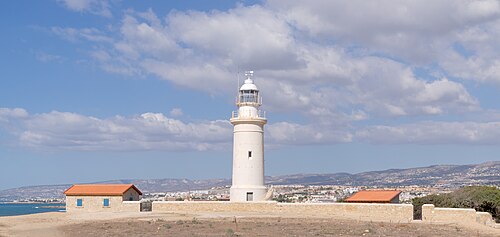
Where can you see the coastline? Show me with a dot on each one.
(23, 208)
(16, 202)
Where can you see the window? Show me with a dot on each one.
(79, 202)
(106, 202)
(249, 154)
(249, 96)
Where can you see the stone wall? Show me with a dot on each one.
(402, 213)
(130, 206)
(212, 206)
(464, 216)
(96, 204)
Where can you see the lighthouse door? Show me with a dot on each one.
(250, 196)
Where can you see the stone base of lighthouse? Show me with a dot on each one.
(248, 193)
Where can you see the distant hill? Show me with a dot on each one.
(440, 175)
(444, 175)
(145, 185)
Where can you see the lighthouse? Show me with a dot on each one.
(248, 145)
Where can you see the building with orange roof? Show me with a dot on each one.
(375, 196)
(103, 197)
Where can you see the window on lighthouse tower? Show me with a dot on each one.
(249, 154)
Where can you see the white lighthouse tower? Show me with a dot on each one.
(248, 146)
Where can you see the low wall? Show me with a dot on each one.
(465, 216)
(130, 206)
(402, 213)
(212, 206)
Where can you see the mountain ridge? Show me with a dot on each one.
(487, 173)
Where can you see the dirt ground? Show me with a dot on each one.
(262, 227)
(217, 224)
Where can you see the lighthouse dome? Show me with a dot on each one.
(248, 86)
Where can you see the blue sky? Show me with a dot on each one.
(98, 90)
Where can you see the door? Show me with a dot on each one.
(250, 196)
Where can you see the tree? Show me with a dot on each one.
(481, 198)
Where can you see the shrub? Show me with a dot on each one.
(229, 232)
(481, 198)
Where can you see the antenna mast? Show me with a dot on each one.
(238, 76)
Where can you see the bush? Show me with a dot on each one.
(230, 232)
(481, 198)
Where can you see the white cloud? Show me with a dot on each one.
(101, 55)
(421, 33)
(77, 5)
(285, 133)
(412, 30)
(149, 131)
(98, 7)
(73, 34)
(376, 87)
(390, 88)
(46, 57)
(315, 79)
(276, 36)
(176, 112)
(478, 58)
(7, 114)
(154, 131)
(144, 38)
(190, 48)
(205, 76)
(333, 63)
(244, 36)
(476, 10)
(480, 133)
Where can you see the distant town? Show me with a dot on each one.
(298, 193)
(282, 193)
(304, 188)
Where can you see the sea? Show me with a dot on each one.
(15, 209)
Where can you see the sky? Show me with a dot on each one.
(94, 90)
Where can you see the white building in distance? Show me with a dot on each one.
(248, 146)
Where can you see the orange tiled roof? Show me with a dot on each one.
(373, 196)
(99, 189)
